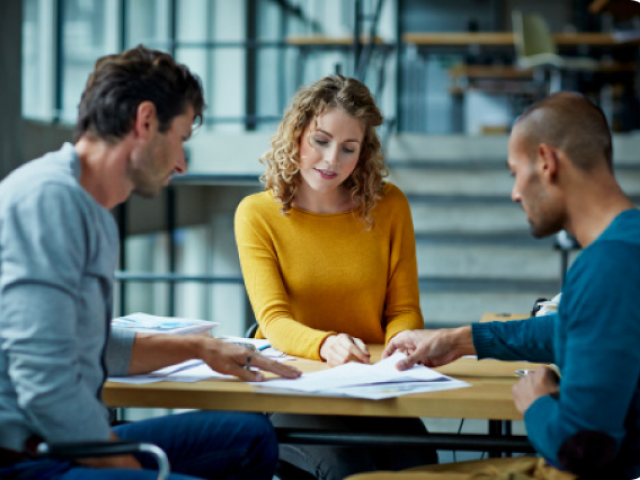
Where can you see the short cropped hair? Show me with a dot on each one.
(282, 174)
(570, 122)
(120, 83)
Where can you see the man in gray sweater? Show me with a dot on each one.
(58, 251)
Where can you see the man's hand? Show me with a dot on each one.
(539, 383)
(232, 359)
(342, 348)
(119, 461)
(431, 347)
(152, 352)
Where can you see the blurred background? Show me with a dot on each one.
(450, 78)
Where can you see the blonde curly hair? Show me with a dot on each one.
(282, 175)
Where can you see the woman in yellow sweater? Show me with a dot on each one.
(328, 257)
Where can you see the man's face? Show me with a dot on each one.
(531, 189)
(153, 165)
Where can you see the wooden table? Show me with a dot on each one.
(317, 40)
(503, 317)
(453, 39)
(489, 397)
(506, 39)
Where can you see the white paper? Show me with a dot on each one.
(264, 347)
(142, 322)
(397, 389)
(189, 371)
(195, 373)
(381, 380)
(137, 379)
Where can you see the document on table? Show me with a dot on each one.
(263, 346)
(142, 322)
(375, 382)
(189, 371)
(196, 370)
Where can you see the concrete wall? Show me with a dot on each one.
(11, 126)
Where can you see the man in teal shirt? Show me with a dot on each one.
(560, 155)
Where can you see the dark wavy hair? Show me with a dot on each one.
(120, 83)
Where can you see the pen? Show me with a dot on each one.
(264, 347)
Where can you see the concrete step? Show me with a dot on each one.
(465, 215)
(480, 180)
(463, 148)
(454, 309)
(445, 284)
(489, 261)
(518, 238)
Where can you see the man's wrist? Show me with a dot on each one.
(195, 346)
(462, 341)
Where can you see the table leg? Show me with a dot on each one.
(474, 443)
(495, 430)
(500, 428)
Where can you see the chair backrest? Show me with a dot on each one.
(531, 35)
(251, 331)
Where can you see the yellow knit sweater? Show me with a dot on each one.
(312, 275)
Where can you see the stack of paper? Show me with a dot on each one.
(375, 382)
(262, 346)
(189, 371)
(142, 322)
(196, 370)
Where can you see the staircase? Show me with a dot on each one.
(475, 253)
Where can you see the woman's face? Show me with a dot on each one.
(330, 148)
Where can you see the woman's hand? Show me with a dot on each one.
(342, 348)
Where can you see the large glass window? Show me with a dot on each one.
(89, 30)
(37, 59)
(148, 23)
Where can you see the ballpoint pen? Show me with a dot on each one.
(264, 347)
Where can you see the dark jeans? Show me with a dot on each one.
(203, 445)
(335, 463)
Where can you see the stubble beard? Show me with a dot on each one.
(545, 221)
(144, 177)
(145, 188)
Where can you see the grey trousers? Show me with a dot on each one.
(336, 463)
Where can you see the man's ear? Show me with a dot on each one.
(145, 120)
(547, 161)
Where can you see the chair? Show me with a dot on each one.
(71, 451)
(284, 470)
(536, 50)
(251, 331)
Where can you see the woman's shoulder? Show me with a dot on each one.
(393, 208)
(258, 207)
(392, 195)
(257, 202)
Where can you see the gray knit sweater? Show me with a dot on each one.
(58, 252)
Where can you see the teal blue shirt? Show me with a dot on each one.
(594, 340)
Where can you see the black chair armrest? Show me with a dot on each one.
(72, 451)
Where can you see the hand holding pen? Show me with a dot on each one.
(342, 348)
(533, 385)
